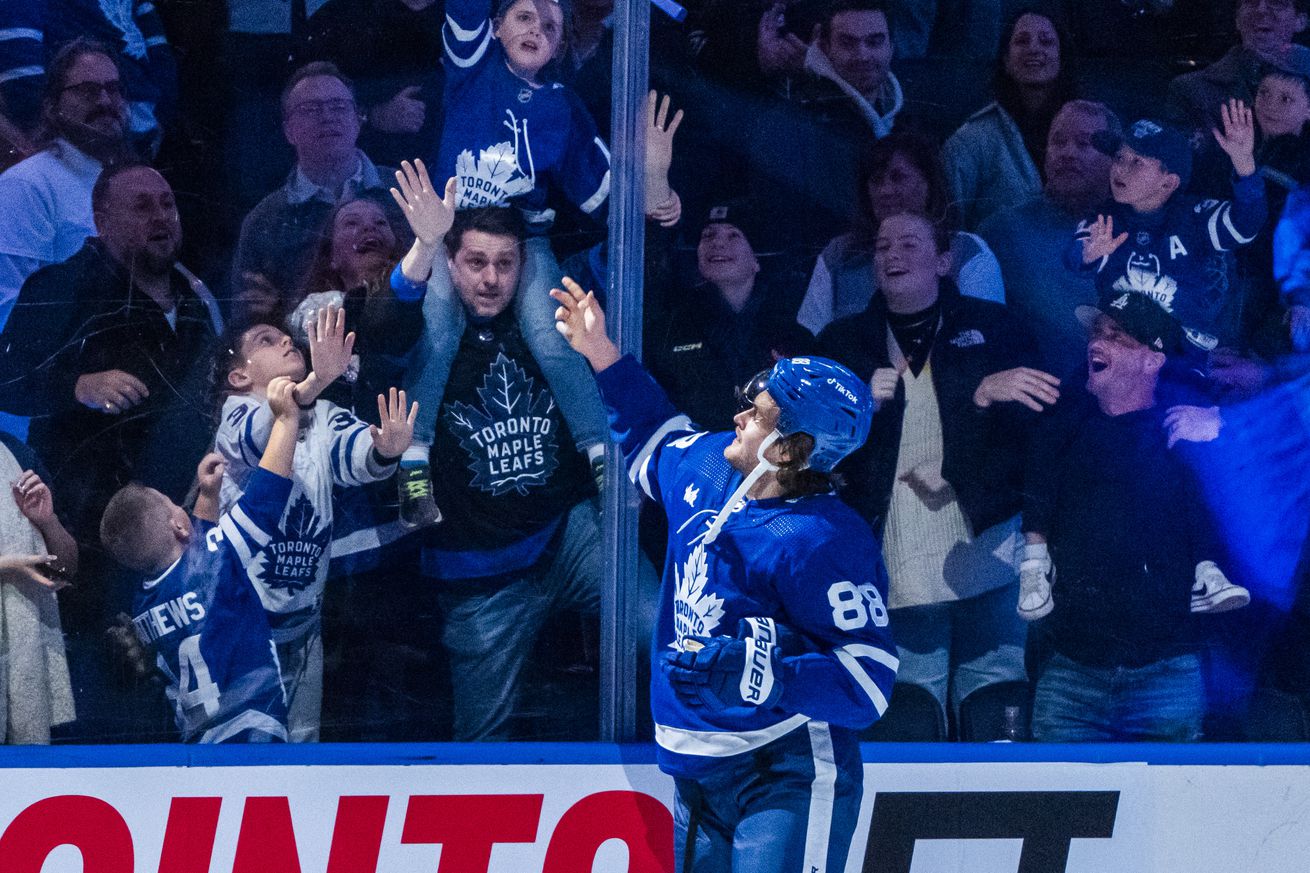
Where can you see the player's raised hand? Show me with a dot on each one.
(1101, 241)
(429, 213)
(209, 473)
(397, 430)
(1237, 138)
(582, 322)
(1024, 385)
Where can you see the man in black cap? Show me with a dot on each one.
(1155, 240)
(734, 321)
(1111, 504)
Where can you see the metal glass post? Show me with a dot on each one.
(627, 245)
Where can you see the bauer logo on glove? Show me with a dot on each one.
(729, 672)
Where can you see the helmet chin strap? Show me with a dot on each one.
(762, 467)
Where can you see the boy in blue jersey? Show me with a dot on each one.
(199, 612)
(1172, 247)
(336, 449)
(773, 642)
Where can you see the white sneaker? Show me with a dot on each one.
(1035, 599)
(1214, 593)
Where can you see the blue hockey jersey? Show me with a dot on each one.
(204, 621)
(1180, 254)
(507, 141)
(810, 563)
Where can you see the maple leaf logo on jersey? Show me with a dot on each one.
(511, 441)
(696, 612)
(290, 563)
(1143, 276)
(497, 174)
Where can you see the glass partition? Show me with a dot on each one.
(220, 253)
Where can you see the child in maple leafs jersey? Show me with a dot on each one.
(512, 137)
(1153, 239)
(199, 613)
(336, 448)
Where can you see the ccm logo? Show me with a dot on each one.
(465, 826)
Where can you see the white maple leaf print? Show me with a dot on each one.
(696, 612)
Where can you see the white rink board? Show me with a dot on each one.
(1190, 818)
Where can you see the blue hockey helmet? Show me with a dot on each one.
(823, 399)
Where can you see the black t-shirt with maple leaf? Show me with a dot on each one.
(504, 465)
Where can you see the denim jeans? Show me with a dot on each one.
(1160, 702)
(953, 649)
(567, 373)
(489, 633)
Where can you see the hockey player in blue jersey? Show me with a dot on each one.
(773, 646)
(199, 613)
(336, 449)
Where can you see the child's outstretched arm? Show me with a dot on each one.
(330, 348)
(209, 482)
(281, 448)
(1237, 139)
(1238, 222)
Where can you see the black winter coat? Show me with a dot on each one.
(85, 315)
(982, 449)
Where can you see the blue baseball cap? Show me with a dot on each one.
(1151, 139)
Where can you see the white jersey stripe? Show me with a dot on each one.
(592, 203)
(233, 534)
(1213, 226)
(823, 792)
(461, 33)
(1228, 226)
(243, 523)
(677, 423)
(849, 655)
(21, 73)
(721, 744)
(472, 60)
(249, 720)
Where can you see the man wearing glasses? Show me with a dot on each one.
(321, 120)
(46, 199)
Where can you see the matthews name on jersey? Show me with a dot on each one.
(203, 619)
(508, 141)
(810, 563)
(1178, 255)
(334, 448)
